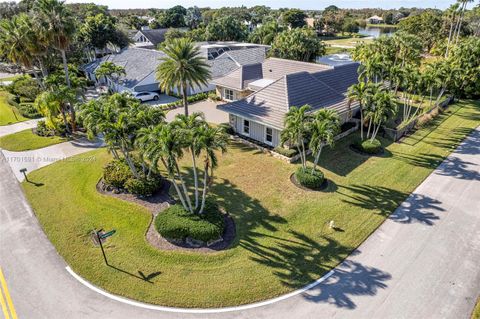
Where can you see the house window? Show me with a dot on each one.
(229, 95)
(269, 135)
(246, 127)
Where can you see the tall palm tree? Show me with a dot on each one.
(183, 68)
(190, 126)
(211, 140)
(296, 130)
(324, 127)
(359, 92)
(56, 27)
(162, 143)
(15, 42)
(383, 106)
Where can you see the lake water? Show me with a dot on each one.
(376, 31)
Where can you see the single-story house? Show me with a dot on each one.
(149, 38)
(284, 83)
(140, 65)
(374, 20)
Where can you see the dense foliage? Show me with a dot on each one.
(179, 224)
(308, 178)
(300, 44)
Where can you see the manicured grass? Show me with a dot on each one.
(283, 239)
(476, 311)
(27, 140)
(335, 50)
(8, 113)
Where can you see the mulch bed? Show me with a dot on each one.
(322, 188)
(156, 204)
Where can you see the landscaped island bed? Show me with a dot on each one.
(27, 140)
(283, 239)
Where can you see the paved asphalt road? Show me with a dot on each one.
(421, 263)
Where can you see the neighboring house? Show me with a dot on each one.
(284, 84)
(149, 38)
(250, 77)
(375, 19)
(140, 65)
(213, 49)
(310, 22)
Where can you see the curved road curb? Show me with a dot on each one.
(196, 310)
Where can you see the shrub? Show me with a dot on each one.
(371, 147)
(28, 110)
(142, 187)
(117, 173)
(288, 152)
(25, 87)
(227, 128)
(309, 179)
(43, 130)
(23, 99)
(177, 223)
(214, 97)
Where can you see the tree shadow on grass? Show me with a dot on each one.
(385, 201)
(451, 166)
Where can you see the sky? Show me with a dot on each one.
(304, 4)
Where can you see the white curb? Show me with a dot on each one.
(198, 311)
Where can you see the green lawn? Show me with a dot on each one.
(476, 311)
(8, 113)
(27, 140)
(283, 239)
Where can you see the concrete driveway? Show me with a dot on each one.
(17, 127)
(208, 108)
(422, 262)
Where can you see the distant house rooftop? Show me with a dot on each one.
(149, 38)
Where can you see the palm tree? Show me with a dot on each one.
(182, 69)
(115, 117)
(211, 139)
(56, 27)
(324, 127)
(190, 126)
(296, 130)
(359, 92)
(383, 106)
(52, 102)
(110, 69)
(15, 42)
(161, 143)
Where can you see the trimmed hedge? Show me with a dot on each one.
(176, 223)
(191, 99)
(143, 186)
(371, 147)
(288, 152)
(308, 179)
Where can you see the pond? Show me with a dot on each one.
(377, 31)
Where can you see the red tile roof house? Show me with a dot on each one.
(261, 94)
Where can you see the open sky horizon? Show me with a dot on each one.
(306, 4)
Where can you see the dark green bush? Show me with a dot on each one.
(176, 223)
(25, 87)
(227, 128)
(371, 147)
(309, 179)
(28, 110)
(288, 152)
(117, 173)
(142, 187)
